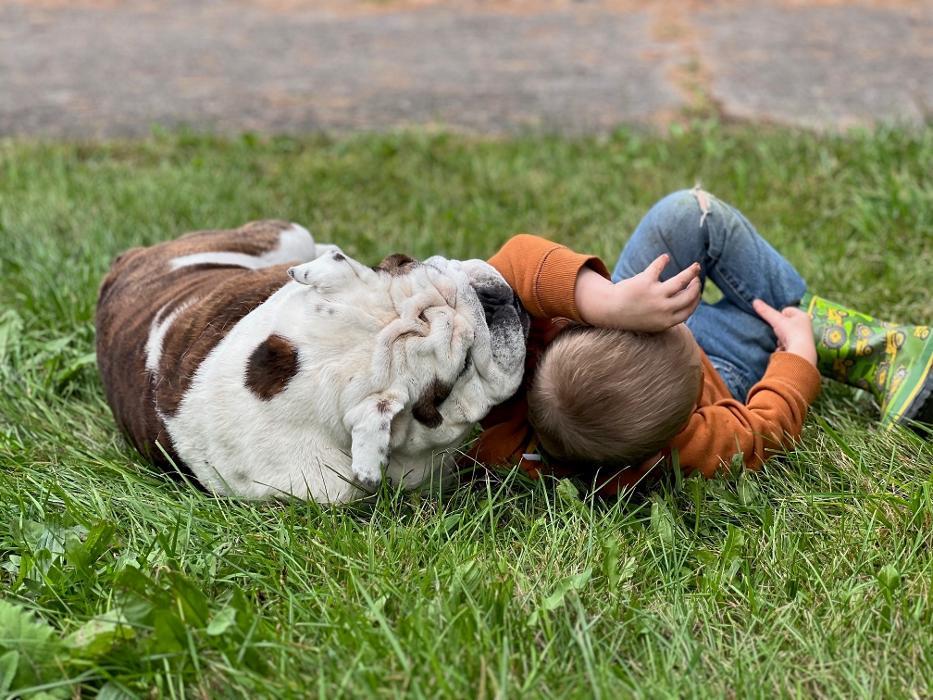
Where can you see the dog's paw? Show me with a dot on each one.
(367, 486)
(324, 249)
(370, 424)
(367, 479)
(329, 272)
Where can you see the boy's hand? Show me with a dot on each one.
(793, 329)
(640, 303)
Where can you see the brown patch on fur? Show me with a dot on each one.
(396, 264)
(254, 238)
(271, 366)
(139, 285)
(198, 331)
(425, 410)
(382, 406)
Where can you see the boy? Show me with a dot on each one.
(737, 378)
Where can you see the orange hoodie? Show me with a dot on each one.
(544, 274)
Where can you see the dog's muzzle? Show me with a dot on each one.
(496, 299)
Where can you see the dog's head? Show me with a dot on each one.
(420, 350)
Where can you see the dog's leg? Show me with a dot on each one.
(254, 246)
(331, 272)
(370, 425)
(324, 249)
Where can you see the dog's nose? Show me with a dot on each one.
(494, 297)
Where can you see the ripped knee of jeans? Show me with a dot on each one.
(703, 199)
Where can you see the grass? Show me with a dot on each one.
(810, 578)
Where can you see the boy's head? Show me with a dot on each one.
(614, 397)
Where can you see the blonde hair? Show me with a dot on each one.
(613, 397)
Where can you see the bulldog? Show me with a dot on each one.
(263, 364)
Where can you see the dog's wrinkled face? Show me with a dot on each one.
(434, 346)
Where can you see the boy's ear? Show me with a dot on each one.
(370, 426)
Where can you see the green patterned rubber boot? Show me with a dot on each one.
(891, 361)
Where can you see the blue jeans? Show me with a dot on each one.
(693, 226)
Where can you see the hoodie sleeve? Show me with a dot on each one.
(544, 274)
(767, 424)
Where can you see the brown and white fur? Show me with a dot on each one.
(263, 364)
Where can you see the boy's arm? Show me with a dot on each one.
(767, 424)
(544, 274)
(551, 280)
(774, 411)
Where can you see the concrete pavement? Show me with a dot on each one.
(101, 68)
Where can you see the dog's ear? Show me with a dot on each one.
(370, 426)
(396, 264)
